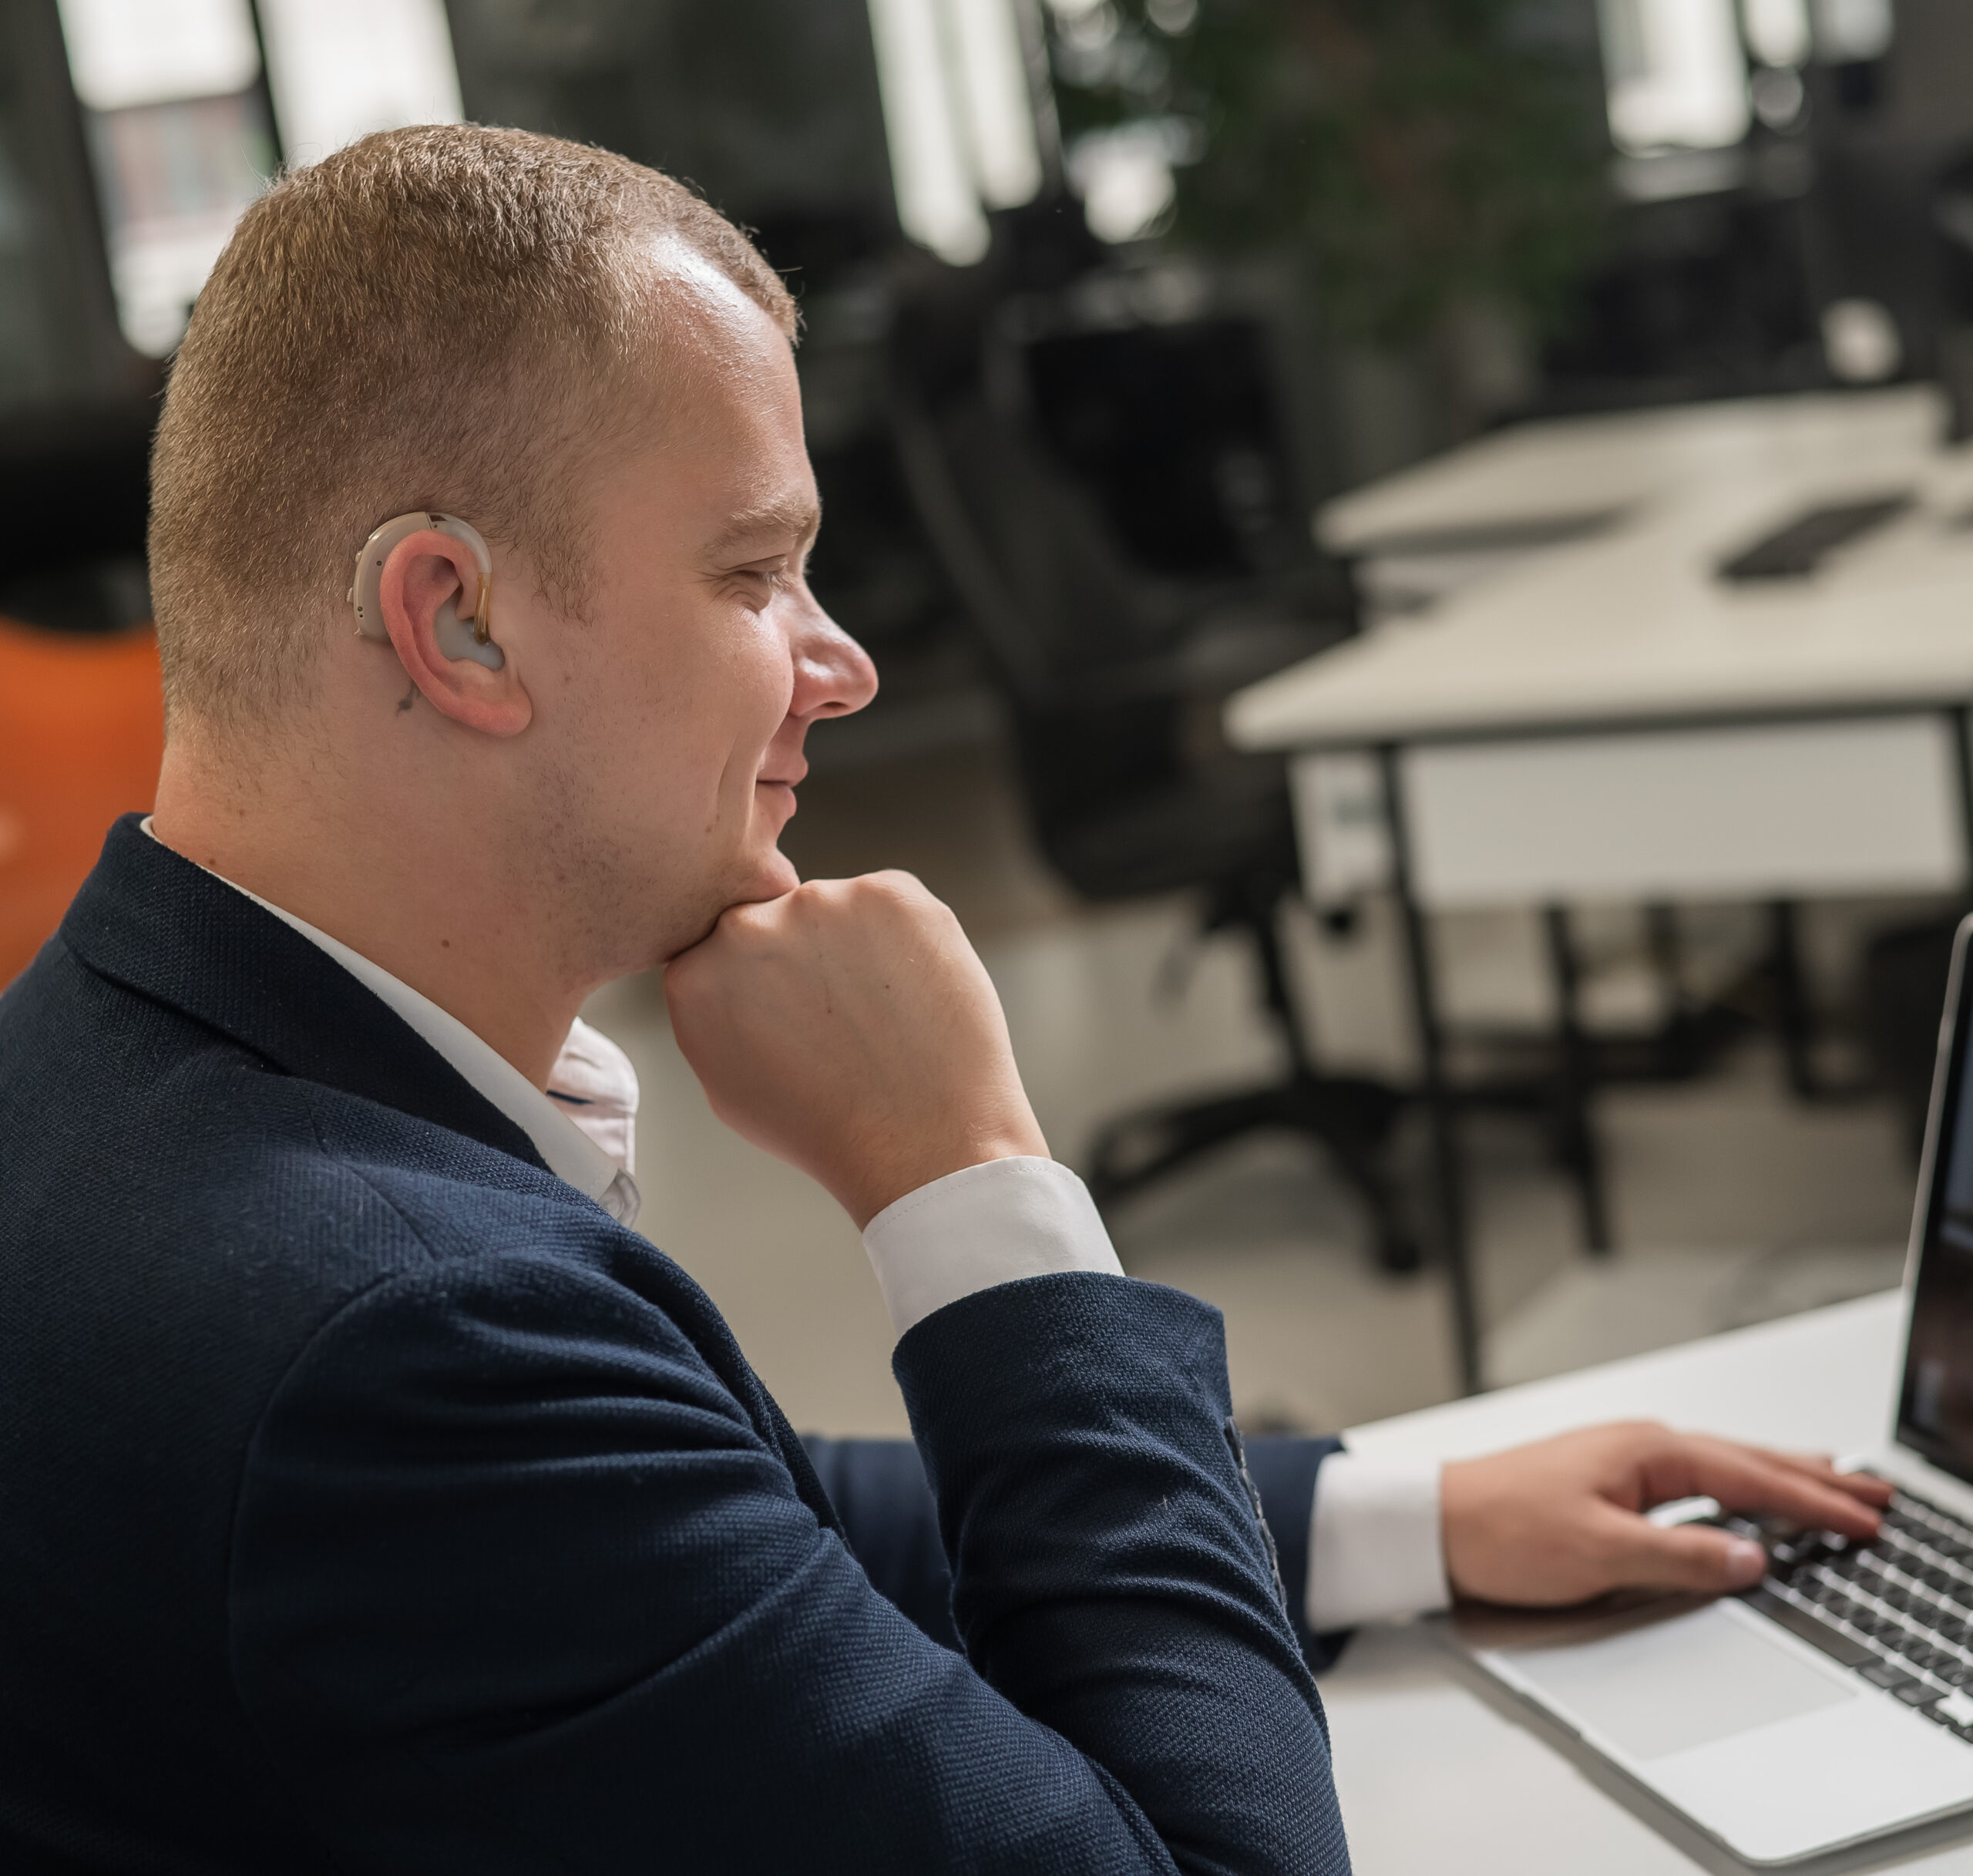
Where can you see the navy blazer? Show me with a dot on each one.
(370, 1500)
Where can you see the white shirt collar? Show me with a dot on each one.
(593, 1078)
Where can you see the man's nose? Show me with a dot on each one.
(834, 675)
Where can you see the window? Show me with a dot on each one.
(179, 135)
(176, 106)
(959, 117)
(339, 69)
(1675, 73)
(1778, 32)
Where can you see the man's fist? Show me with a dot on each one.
(849, 1029)
(1562, 1521)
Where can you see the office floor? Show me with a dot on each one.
(1732, 1203)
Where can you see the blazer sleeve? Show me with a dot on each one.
(517, 1585)
(891, 1524)
(880, 1490)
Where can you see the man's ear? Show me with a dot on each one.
(428, 574)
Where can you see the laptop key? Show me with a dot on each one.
(1851, 1652)
(1955, 1710)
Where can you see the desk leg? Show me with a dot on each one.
(1449, 1172)
(1792, 1016)
(1962, 721)
(1794, 1013)
(1574, 1080)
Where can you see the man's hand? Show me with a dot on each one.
(849, 1029)
(1562, 1521)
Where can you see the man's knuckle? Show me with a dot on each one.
(892, 892)
(1651, 1434)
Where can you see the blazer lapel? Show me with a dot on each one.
(150, 919)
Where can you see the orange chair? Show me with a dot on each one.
(82, 733)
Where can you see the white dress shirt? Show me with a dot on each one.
(1375, 1551)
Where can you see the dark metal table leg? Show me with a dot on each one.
(1793, 1016)
(1961, 723)
(1449, 1175)
(1574, 1081)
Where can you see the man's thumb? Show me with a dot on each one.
(1693, 1557)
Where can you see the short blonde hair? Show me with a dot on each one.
(447, 317)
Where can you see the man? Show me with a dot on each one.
(371, 1497)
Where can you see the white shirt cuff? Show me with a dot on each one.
(993, 1223)
(1376, 1550)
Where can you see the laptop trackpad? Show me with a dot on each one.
(1690, 1679)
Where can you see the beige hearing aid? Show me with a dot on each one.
(458, 638)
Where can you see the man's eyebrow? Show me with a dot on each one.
(800, 518)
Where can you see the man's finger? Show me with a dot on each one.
(1743, 1480)
(1866, 1486)
(1682, 1556)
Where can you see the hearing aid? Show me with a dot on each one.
(458, 638)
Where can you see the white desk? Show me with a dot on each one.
(1489, 509)
(1548, 480)
(1506, 701)
(1608, 719)
(1440, 1773)
(1638, 625)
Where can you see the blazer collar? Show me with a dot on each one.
(148, 919)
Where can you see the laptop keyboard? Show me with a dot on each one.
(1898, 1610)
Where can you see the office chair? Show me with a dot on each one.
(82, 734)
(81, 714)
(1113, 680)
(1952, 223)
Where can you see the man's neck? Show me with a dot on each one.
(423, 904)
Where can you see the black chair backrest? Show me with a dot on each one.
(1174, 427)
(1066, 616)
(1952, 217)
(75, 487)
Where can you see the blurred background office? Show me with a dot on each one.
(1233, 417)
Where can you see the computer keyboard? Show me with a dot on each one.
(1898, 1610)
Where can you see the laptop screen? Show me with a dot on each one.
(1935, 1402)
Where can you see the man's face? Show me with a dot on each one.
(672, 719)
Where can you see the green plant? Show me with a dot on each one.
(1423, 154)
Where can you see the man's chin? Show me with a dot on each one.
(775, 876)
(771, 877)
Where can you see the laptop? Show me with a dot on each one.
(1833, 1703)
